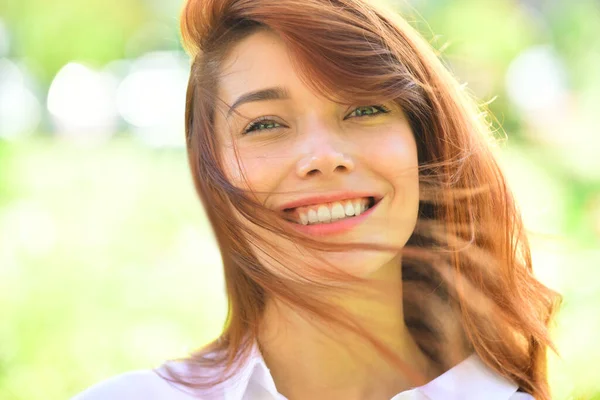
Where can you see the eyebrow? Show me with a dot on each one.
(273, 93)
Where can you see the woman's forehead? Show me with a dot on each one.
(257, 62)
(262, 61)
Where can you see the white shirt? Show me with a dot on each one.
(469, 380)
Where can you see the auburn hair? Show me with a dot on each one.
(469, 246)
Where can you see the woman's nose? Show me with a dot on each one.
(324, 159)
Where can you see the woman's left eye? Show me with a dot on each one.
(365, 111)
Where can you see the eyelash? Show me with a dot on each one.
(381, 109)
(254, 125)
(260, 121)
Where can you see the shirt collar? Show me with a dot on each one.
(471, 379)
(255, 370)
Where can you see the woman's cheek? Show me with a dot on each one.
(391, 151)
(233, 168)
(261, 171)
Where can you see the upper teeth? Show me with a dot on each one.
(329, 212)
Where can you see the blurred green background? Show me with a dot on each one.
(107, 263)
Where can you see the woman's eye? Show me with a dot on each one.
(261, 125)
(365, 111)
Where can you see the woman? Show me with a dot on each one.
(371, 248)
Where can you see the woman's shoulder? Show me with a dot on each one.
(135, 385)
(173, 380)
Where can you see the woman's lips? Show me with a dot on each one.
(329, 212)
(335, 227)
(326, 198)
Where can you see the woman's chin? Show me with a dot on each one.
(359, 263)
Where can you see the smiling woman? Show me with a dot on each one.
(311, 158)
(370, 246)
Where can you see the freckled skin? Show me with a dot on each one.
(307, 145)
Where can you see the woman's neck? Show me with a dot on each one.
(310, 359)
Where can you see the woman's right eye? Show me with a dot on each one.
(261, 125)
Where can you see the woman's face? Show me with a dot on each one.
(335, 172)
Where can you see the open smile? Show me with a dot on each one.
(332, 217)
(326, 213)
